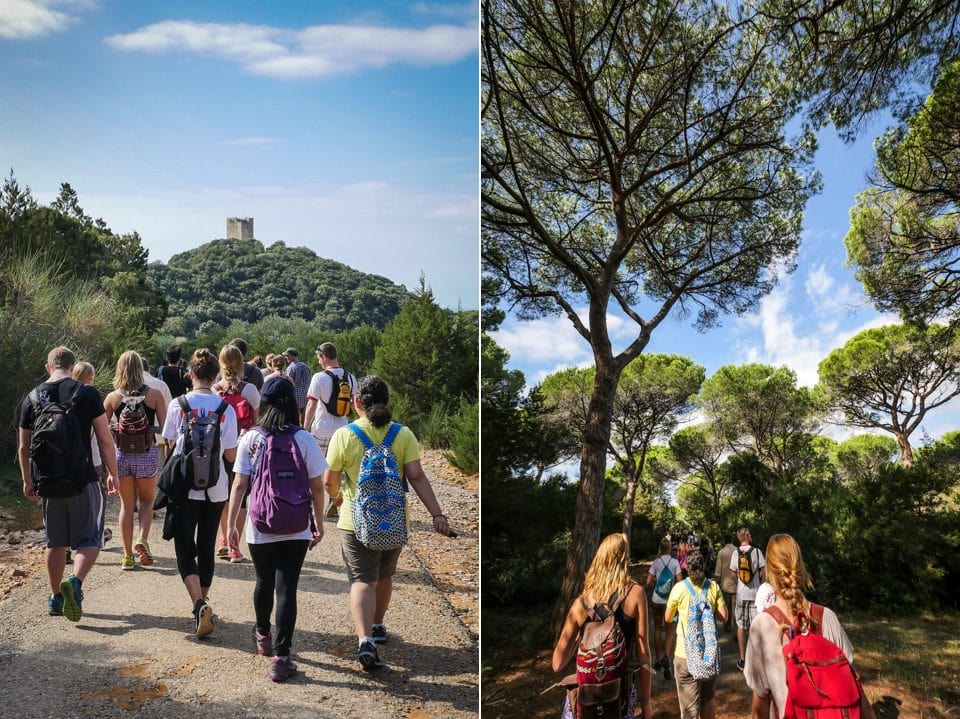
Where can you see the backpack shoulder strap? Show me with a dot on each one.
(392, 433)
(184, 405)
(779, 616)
(361, 435)
(689, 584)
(221, 408)
(816, 617)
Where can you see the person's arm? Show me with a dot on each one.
(316, 489)
(421, 485)
(567, 641)
(158, 405)
(108, 451)
(310, 412)
(230, 454)
(239, 488)
(23, 452)
(643, 650)
(331, 481)
(721, 605)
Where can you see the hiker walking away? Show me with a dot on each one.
(696, 684)
(245, 400)
(747, 565)
(766, 672)
(727, 581)
(174, 374)
(276, 367)
(55, 424)
(196, 522)
(299, 374)
(664, 573)
(278, 461)
(251, 371)
(375, 452)
(608, 589)
(133, 407)
(329, 400)
(85, 373)
(161, 386)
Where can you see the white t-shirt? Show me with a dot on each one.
(205, 403)
(748, 592)
(161, 387)
(249, 453)
(321, 386)
(664, 560)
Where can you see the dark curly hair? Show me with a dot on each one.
(374, 397)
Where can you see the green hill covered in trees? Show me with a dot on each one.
(226, 280)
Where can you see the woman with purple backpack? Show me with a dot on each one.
(283, 465)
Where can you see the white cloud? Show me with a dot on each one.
(466, 10)
(551, 339)
(27, 19)
(317, 51)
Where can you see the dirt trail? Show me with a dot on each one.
(134, 650)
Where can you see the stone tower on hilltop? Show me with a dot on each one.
(239, 228)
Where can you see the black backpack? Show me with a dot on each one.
(339, 402)
(195, 463)
(59, 458)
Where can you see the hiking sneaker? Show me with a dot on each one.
(282, 668)
(72, 599)
(379, 634)
(368, 657)
(107, 535)
(128, 562)
(235, 556)
(143, 551)
(740, 664)
(264, 642)
(204, 615)
(55, 605)
(223, 551)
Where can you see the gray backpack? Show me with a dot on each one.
(199, 455)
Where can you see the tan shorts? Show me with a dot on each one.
(366, 565)
(693, 694)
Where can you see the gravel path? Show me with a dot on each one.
(134, 651)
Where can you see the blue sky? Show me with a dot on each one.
(810, 313)
(350, 128)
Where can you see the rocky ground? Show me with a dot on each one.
(134, 651)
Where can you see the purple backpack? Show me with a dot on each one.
(280, 496)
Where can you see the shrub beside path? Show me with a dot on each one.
(134, 651)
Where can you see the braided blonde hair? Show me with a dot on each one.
(231, 368)
(608, 572)
(788, 576)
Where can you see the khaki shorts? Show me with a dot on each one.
(366, 565)
(691, 693)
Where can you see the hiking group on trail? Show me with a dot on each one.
(795, 656)
(225, 452)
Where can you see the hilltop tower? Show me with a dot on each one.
(239, 228)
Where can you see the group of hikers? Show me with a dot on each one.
(795, 655)
(227, 449)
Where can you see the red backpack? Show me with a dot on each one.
(821, 684)
(601, 664)
(241, 406)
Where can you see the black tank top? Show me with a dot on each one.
(151, 413)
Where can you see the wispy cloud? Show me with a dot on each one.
(313, 52)
(28, 19)
(466, 10)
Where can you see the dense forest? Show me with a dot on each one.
(68, 279)
(228, 280)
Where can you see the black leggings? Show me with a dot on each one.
(195, 538)
(278, 565)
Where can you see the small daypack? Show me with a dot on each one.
(821, 684)
(199, 452)
(132, 431)
(241, 405)
(280, 496)
(700, 639)
(59, 458)
(379, 505)
(665, 580)
(744, 565)
(339, 402)
(601, 664)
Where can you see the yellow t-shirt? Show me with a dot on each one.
(346, 451)
(679, 600)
